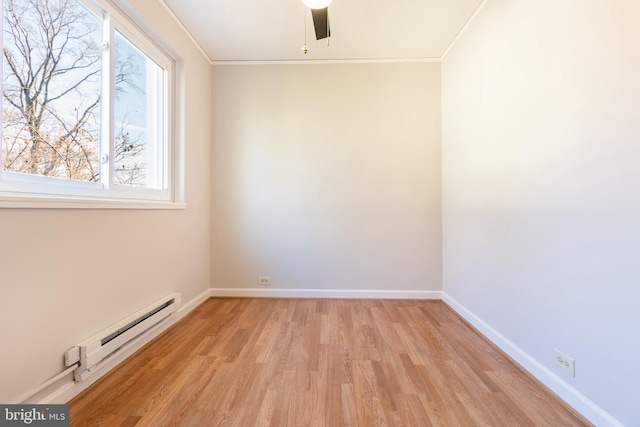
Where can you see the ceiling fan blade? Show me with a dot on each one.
(321, 23)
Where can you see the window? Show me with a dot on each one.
(86, 111)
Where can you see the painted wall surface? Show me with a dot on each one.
(327, 176)
(67, 274)
(541, 186)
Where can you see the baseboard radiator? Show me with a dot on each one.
(96, 350)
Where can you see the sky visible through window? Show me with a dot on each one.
(52, 70)
(131, 113)
(51, 102)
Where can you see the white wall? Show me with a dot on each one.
(327, 177)
(541, 188)
(66, 274)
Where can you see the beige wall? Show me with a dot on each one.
(541, 200)
(66, 274)
(327, 176)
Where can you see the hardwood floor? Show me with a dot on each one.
(288, 362)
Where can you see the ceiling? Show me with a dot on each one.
(274, 30)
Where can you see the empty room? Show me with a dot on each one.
(320, 213)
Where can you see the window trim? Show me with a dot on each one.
(31, 191)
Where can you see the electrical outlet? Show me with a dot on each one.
(264, 281)
(565, 362)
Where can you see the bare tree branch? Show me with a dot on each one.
(52, 94)
(51, 64)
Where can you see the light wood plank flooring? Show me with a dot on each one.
(305, 362)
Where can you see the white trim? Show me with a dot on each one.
(32, 201)
(464, 28)
(318, 61)
(189, 306)
(189, 35)
(66, 389)
(326, 61)
(32, 191)
(184, 29)
(176, 160)
(324, 293)
(570, 395)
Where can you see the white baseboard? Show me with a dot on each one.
(573, 397)
(66, 388)
(324, 293)
(189, 306)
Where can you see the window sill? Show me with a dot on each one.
(12, 201)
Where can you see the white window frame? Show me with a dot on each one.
(31, 191)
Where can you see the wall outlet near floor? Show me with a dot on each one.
(264, 281)
(565, 362)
